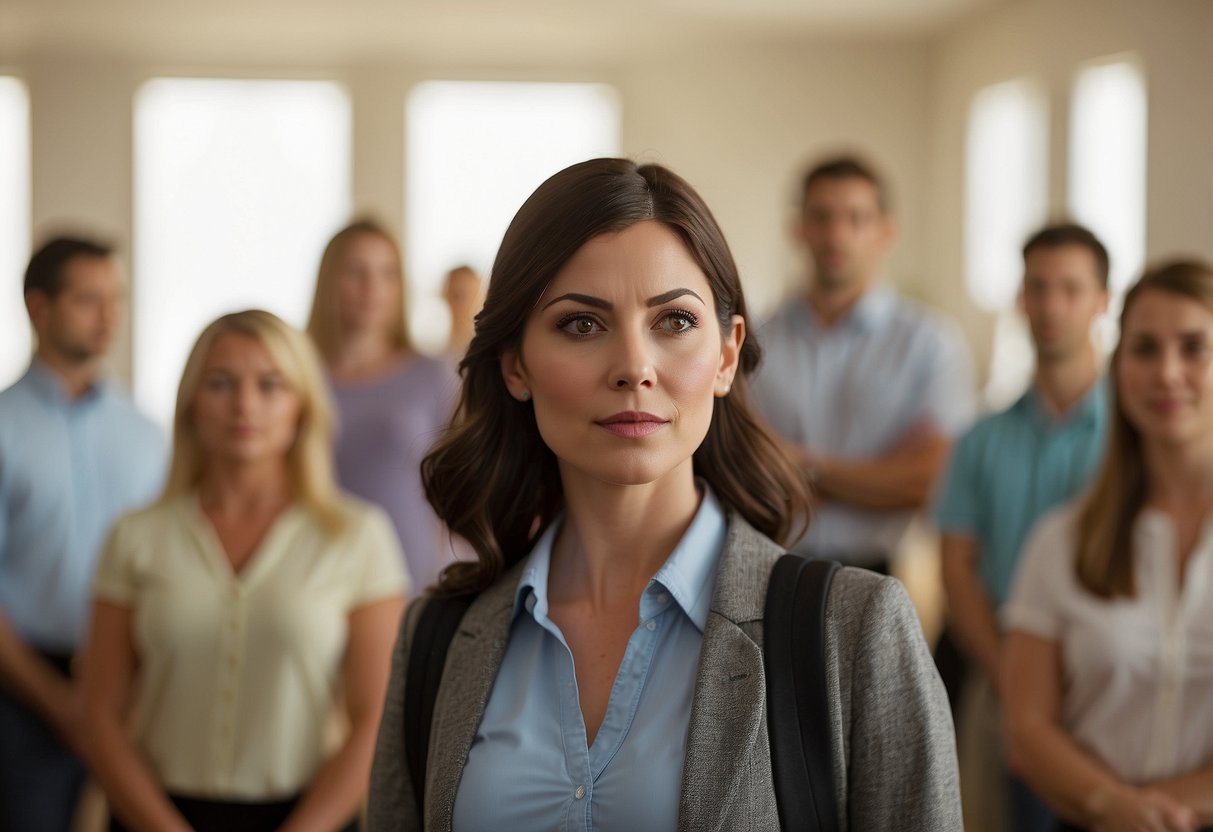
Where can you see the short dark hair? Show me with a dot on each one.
(845, 167)
(46, 268)
(1071, 234)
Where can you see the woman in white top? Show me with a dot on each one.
(1108, 670)
(239, 610)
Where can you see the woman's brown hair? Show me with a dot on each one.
(492, 479)
(1104, 529)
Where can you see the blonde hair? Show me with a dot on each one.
(324, 322)
(1104, 529)
(309, 460)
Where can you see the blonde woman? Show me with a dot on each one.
(1108, 669)
(249, 601)
(392, 402)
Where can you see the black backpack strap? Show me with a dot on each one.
(798, 714)
(427, 656)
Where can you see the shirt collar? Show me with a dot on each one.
(47, 384)
(1090, 409)
(870, 312)
(688, 575)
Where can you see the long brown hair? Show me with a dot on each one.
(1104, 529)
(492, 479)
(324, 321)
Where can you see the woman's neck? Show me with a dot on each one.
(1180, 475)
(231, 488)
(615, 538)
(363, 355)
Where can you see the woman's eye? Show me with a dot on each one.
(579, 325)
(679, 322)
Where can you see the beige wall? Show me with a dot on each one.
(737, 117)
(738, 120)
(1049, 41)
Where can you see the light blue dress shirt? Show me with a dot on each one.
(529, 767)
(68, 469)
(855, 389)
(1011, 469)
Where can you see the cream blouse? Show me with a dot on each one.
(238, 673)
(1138, 672)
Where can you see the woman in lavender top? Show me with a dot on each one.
(392, 402)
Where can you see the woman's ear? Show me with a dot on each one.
(730, 355)
(514, 373)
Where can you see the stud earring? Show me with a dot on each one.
(525, 395)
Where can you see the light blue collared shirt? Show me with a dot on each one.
(1011, 469)
(529, 767)
(854, 390)
(68, 469)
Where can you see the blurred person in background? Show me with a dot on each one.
(1005, 473)
(74, 454)
(249, 602)
(463, 291)
(1107, 673)
(392, 402)
(868, 388)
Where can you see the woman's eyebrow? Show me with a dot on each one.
(588, 300)
(666, 297)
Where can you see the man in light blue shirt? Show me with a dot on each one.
(867, 387)
(74, 454)
(1006, 472)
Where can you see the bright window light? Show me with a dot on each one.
(1107, 181)
(1006, 187)
(238, 187)
(475, 152)
(15, 339)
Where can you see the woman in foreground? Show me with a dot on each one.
(622, 499)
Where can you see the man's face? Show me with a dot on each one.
(78, 323)
(846, 232)
(1062, 297)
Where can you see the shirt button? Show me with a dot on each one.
(663, 598)
(652, 625)
(580, 793)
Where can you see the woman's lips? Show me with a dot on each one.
(632, 425)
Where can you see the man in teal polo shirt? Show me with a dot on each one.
(1007, 471)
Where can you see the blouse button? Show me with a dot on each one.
(652, 625)
(580, 793)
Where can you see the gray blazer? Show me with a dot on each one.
(894, 748)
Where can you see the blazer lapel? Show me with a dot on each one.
(727, 757)
(471, 667)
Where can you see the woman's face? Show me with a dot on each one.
(1164, 373)
(623, 358)
(369, 286)
(244, 410)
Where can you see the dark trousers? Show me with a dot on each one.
(40, 780)
(233, 816)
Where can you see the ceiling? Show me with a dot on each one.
(451, 32)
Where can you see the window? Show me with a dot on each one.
(238, 187)
(15, 338)
(1006, 188)
(1107, 177)
(475, 152)
(1006, 198)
